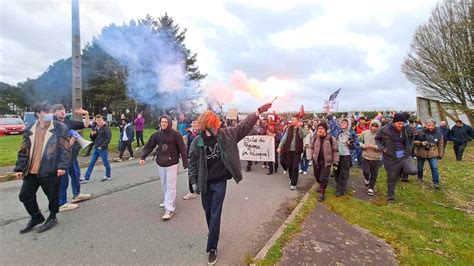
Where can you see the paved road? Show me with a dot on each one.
(122, 223)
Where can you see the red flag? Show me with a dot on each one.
(301, 113)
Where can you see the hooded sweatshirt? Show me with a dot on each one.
(170, 146)
(343, 135)
(367, 139)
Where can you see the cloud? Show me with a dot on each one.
(317, 45)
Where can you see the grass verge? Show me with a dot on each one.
(293, 228)
(425, 226)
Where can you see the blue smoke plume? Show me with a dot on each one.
(155, 62)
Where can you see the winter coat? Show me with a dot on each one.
(139, 124)
(330, 150)
(342, 136)
(170, 146)
(129, 131)
(227, 139)
(386, 143)
(434, 144)
(307, 145)
(56, 152)
(445, 131)
(461, 135)
(370, 150)
(102, 137)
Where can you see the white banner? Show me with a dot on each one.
(257, 148)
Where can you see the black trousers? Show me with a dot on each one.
(128, 146)
(274, 165)
(459, 150)
(50, 186)
(321, 172)
(284, 161)
(139, 135)
(293, 161)
(370, 169)
(342, 173)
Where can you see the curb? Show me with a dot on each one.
(271, 242)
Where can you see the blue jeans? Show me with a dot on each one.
(212, 203)
(104, 155)
(73, 173)
(434, 168)
(304, 163)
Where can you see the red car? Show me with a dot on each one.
(11, 126)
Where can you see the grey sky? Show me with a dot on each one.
(318, 46)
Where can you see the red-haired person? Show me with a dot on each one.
(214, 159)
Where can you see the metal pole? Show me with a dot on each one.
(76, 60)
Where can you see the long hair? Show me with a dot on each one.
(208, 119)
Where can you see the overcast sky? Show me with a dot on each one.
(317, 46)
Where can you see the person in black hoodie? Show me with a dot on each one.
(170, 147)
(101, 136)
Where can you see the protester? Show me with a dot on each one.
(347, 141)
(429, 146)
(444, 130)
(139, 127)
(274, 131)
(292, 146)
(170, 147)
(193, 133)
(183, 127)
(396, 142)
(73, 172)
(371, 156)
(126, 140)
(324, 153)
(460, 134)
(102, 136)
(306, 156)
(214, 158)
(44, 157)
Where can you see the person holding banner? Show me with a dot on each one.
(73, 172)
(292, 145)
(324, 153)
(213, 159)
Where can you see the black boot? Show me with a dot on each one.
(322, 196)
(32, 223)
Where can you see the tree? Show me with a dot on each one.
(441, 60)
(11, 99)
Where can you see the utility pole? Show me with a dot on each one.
(76, 60)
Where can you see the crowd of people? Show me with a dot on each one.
(207, 145)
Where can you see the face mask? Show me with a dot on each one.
(48, 117)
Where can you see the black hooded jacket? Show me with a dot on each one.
(170, 146)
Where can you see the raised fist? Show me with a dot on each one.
(264, 108)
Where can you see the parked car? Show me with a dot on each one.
(11, 126)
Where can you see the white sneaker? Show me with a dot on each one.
(137, 149)
(84, 181)
(285, 172)
(167, 215)
(300, 171)
(305, 173)
(370, 192)
(68, 206)
(162, 205)
(81, 197)
(292, 187)
(131, 158)
(117, 160)
(310, 163)
(106, 179)
(189, 196)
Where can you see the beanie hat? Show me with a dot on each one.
(324, 125)
(399, 117)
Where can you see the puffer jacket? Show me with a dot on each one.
(56, 153)
(434, 144)
(342, 136)
(330, 150)
(227, 139)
